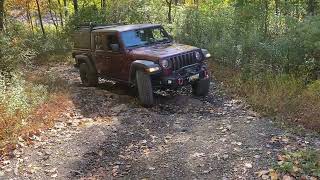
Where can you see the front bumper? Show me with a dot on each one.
(184, 76)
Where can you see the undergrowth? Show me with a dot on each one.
(300, 164)
(27, 103)
(283, 96)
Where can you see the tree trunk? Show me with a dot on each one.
(60, 13)
(103, 7)
(75, 6)
(40, 18)
(266, 19)
(277, 3)
(29, 17)
(51, 15)
(1, 14)
(169, 2)
(65, 7)
(311, 9)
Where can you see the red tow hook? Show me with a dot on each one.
(180, 81)
(206, 74)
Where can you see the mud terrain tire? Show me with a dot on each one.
(201, 87)
(88, 77)
(145, 90)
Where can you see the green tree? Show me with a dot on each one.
(1, 14)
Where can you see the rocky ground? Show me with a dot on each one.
(108, 135)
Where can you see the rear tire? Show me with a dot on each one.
(88, 77)
(201, 87)
(145, 90)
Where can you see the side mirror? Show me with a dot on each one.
(115, 47)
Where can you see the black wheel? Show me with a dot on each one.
(201, 87)
(145, 90)
(88, 77)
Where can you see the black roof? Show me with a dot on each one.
(121, 28)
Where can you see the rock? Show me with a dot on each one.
(257, 156)
(248, 165)
(265, 177)
(119, 108)
(6, 162)
(225, 156)
(51, 170)
(287, 177)
(151, 168)
(1, 173)
(197, 155)
(263, 172)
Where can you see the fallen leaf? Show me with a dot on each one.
(287, 177)
(263, 172)
(54, 175)
(273, 175)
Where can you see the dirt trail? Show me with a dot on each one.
(108, 135)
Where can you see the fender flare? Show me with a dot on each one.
(85, 59)
(142, 65)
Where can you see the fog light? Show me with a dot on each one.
(169, 81)
(153, 69)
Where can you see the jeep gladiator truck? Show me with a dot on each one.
(143, 56)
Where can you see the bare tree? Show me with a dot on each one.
(40, 18)
(1, 14)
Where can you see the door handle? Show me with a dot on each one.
(108, 57)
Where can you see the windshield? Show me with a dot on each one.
(142, 37)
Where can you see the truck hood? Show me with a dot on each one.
(160, 51)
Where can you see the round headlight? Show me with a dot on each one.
(164, 63)
(198, 56)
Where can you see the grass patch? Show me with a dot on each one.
(279, 95)
(300, 163)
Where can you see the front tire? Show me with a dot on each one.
(201, 87)
(88, 77)
(145, 90)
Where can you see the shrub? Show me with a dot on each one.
(300, 163)
(19, 96)
(20, 47)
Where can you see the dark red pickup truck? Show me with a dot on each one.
(142, 55)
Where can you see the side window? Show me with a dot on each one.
(99, 42)
(112, 43)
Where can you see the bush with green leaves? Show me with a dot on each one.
(19, 96)
(20, 47)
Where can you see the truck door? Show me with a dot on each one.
(102, 58)
(118, 62)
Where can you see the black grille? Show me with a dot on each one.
(182, 60)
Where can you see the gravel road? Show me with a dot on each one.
(106, 134)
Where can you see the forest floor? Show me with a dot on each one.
(106, 134)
